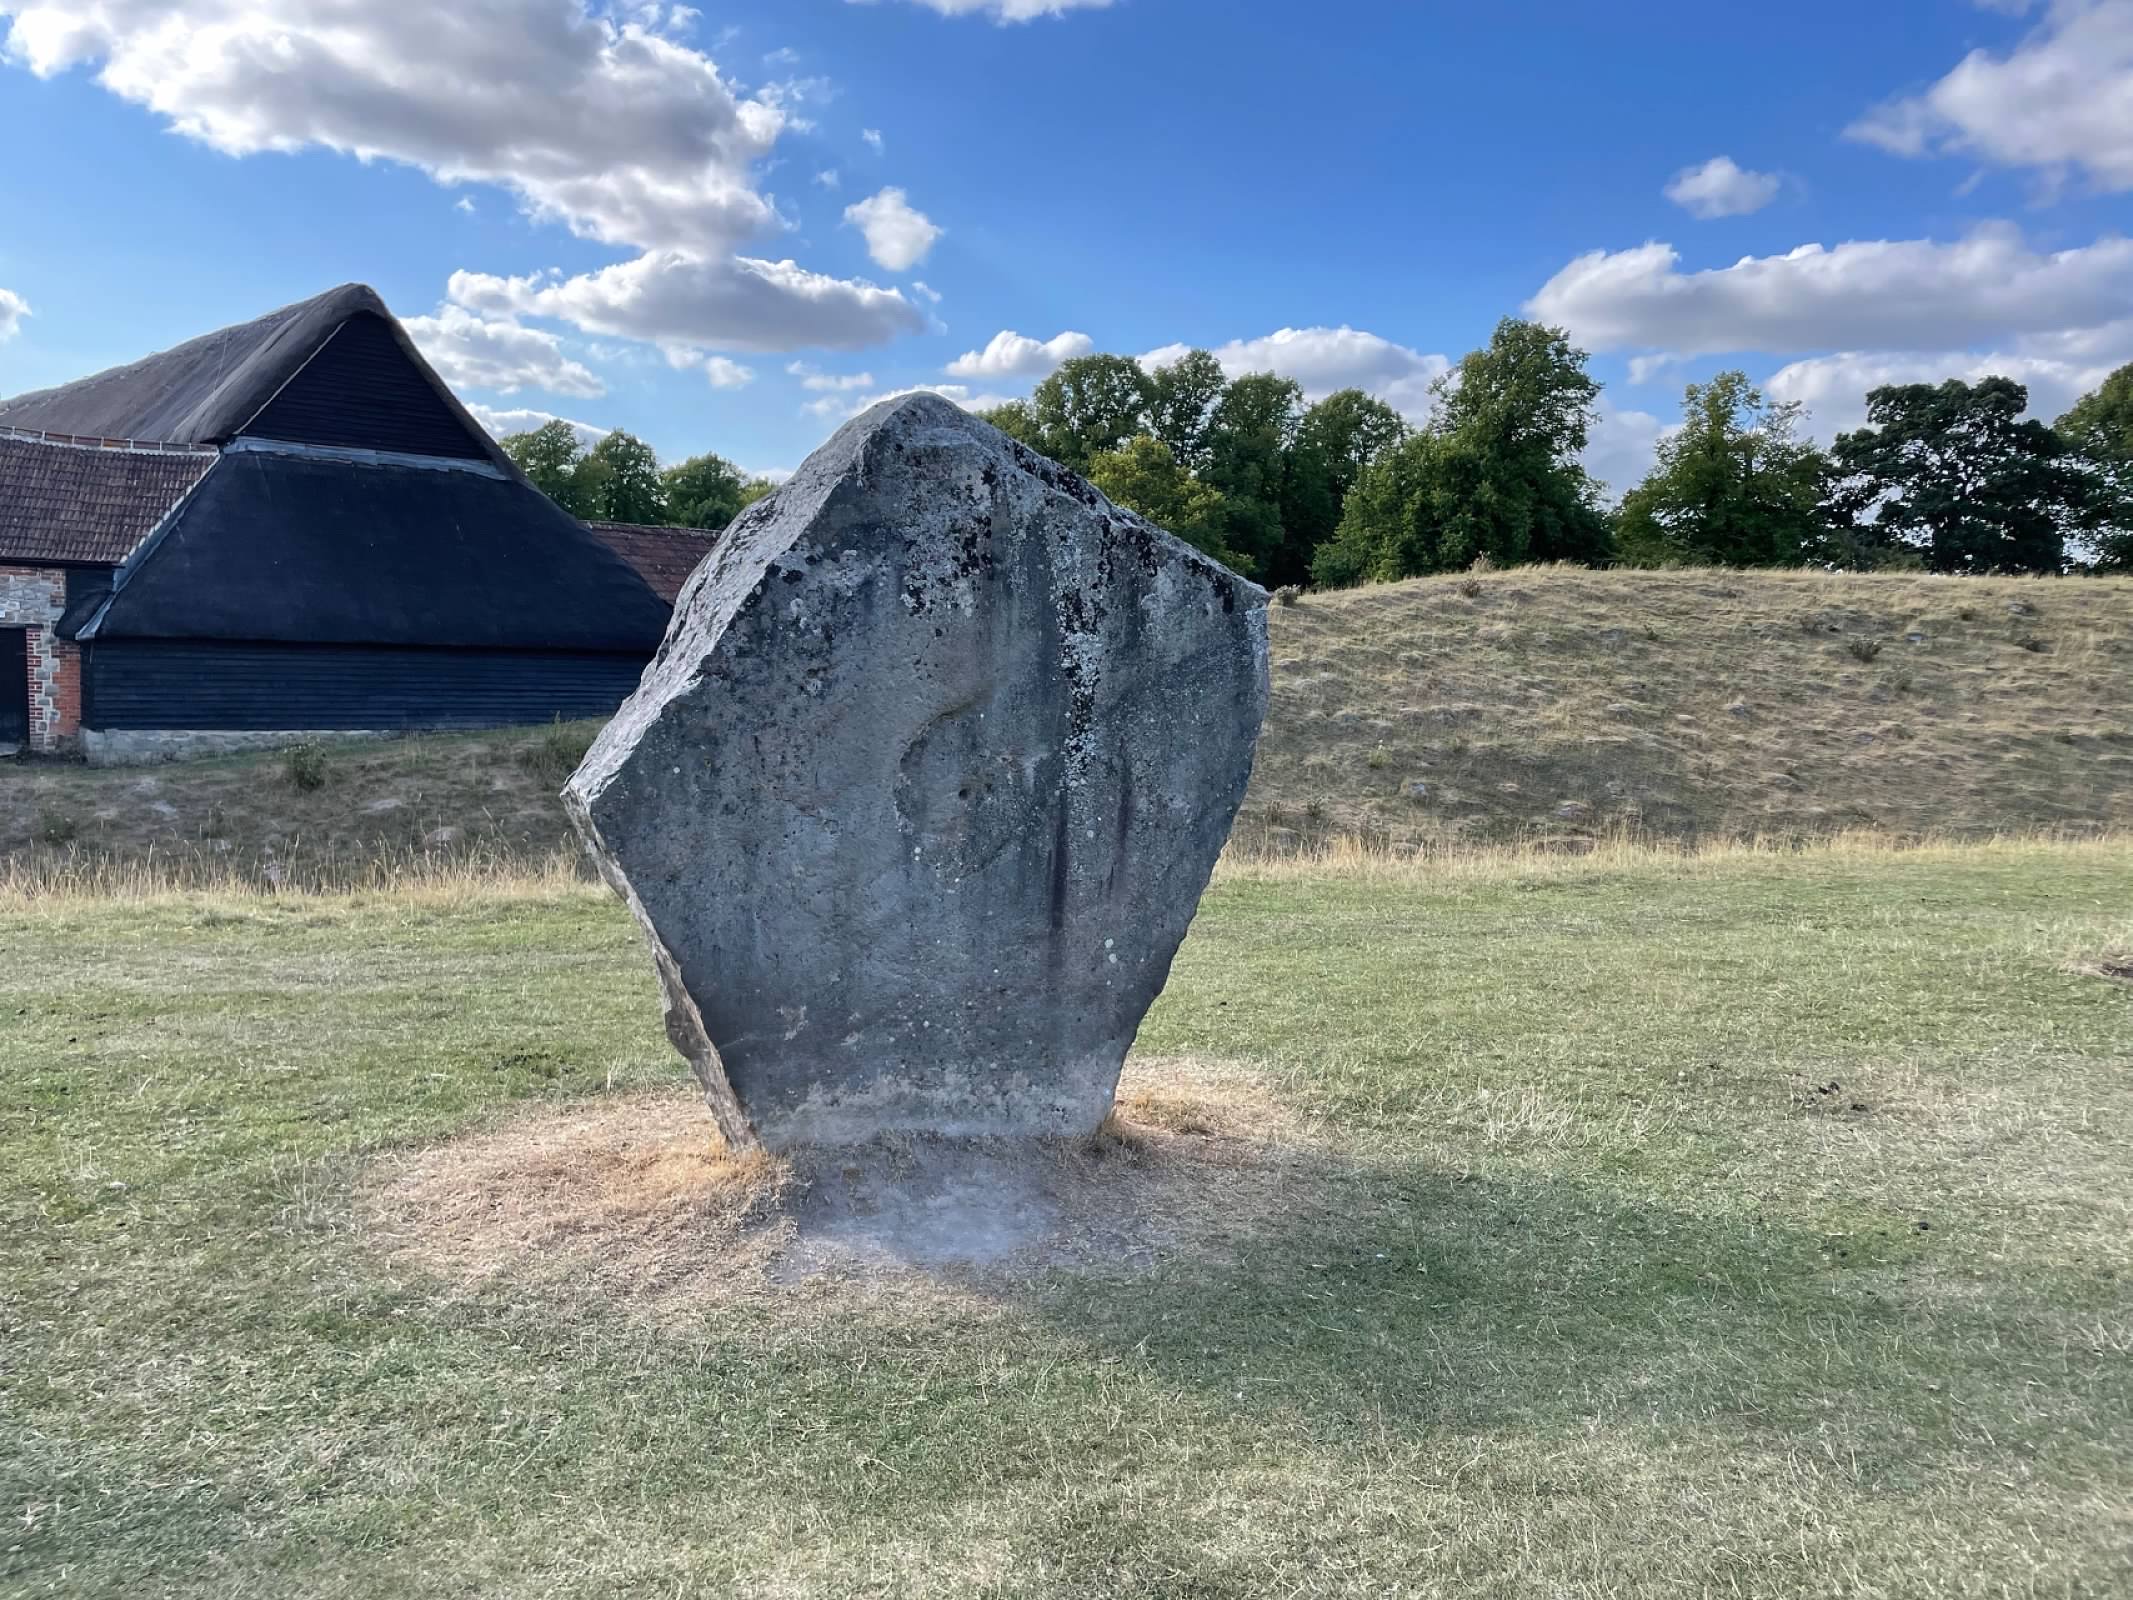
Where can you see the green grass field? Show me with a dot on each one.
(1746, 1224)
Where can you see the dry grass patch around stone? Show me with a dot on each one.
(638, 1199)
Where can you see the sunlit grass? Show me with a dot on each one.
(1750, 1221)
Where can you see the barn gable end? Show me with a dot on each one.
(361, 391)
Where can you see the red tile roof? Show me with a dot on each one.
(663, 557)
(88, 500)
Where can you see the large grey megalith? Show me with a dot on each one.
(920, 794)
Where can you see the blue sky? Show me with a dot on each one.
(728, 228)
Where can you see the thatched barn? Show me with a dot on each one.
(292, 526)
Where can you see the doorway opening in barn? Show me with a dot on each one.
(14, 689)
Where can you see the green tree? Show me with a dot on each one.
(1249, 436)
(1185, 393)
(1388, 528)
(703, 492)
(1142, 475)
(550, 456)
(1337, 438)
(2099, 430)
(1091, 405)
(1735, 486)
(1350, 429)
(1018, 421)
(1953, 472)
(619, 481)
(1496, 473)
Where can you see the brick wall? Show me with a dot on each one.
(33, 598)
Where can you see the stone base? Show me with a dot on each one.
(141, 747)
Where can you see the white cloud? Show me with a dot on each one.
(821, 382)
(931, 295)
(828, 178)
(1619, 450)
(521, 420)
(843, 409)
(898, 236)
(1005, 11)
(2060, 101)
(1719, 188)
(13, 308)
(603, 119)
(1834, 387)
(463, 203)
(740, 304)
(1013, 355)
(477, 352)
(1325, 359)
(1646, 369)
(726, 374)
(614, 128)
(1874, 294)
(872, 137)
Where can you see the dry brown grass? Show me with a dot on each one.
(1556, 705)
(480, 797)
(1692, 705)
(637, 1199)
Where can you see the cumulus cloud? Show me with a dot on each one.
(13, 308)
(1879, 294)
(1013, 355)
(611, 127)
(813, 378)
(842, 408)
(1720, 188)
(671, 296)
(1325, 359)
(898, 235)
(1006, 11)
(872, 137)
(518, 419)
(1618, 452)
(1651, 368)
(1834, 387)
(477, 352)
(725, 374)
(604, 120)
(2061, 101)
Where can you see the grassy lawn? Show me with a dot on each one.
(1738, 1225)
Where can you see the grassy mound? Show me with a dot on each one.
(1698, 705)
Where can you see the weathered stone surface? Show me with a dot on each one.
(922, 790)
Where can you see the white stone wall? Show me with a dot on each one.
(33, 598)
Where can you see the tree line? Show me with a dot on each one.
(619, 479)
(1946, 477)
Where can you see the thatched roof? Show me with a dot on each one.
(206, 390)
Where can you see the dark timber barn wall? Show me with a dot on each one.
(171, 684)
(360, 392)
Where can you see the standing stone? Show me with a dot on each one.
(919, 795)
